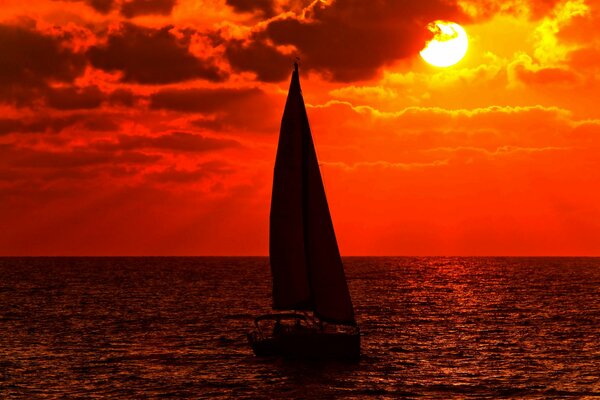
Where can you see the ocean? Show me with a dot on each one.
(174, 327)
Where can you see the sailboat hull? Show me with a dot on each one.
(311, 344)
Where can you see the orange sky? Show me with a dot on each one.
(149, 127)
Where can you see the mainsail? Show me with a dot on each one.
(307, 269)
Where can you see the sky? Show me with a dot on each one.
(149, 127)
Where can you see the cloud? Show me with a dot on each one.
(257, 56)
(350, 40)
(363, 133)
(134, 8)
(74, 98)
(99, 115)
(101, 123)
(36, 124)
(587, 58)
(461, 114)
(24, 74)
(100, 6)
(548, 49)
(122, 97)
(205, 100)
(524, 70)
(265, 7)
(203, 171)
(21, 157)
(544, 76)
(385, 165)
(151, 56)
(345, 40)
(175, 141)
(365, 93)
(223, 109)
(483, 9)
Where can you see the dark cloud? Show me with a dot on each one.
(134, 8)
(202, 100)
(73, 98)
(175, 141)
(223, 109)
(122, 97)
(265, 7)
(30, 59)
(203, 171)
(151, 56)
(36, 125)
(346, 40)
(259, 57)
(182, 141)
(101, 123)
(102, 6)
(9, 125)
(260, 116)
(19, 157)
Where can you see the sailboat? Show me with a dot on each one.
(314, 316)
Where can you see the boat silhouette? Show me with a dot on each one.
(316, 316)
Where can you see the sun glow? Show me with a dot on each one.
(448, 46)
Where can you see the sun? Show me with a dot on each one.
(448, 46)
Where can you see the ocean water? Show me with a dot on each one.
(136, 328)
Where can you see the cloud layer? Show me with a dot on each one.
(158, 119)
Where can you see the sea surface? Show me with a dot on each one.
(433, 328)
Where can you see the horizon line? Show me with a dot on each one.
(266, 256)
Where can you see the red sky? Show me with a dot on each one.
(149, 127)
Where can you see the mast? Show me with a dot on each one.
(307, 269)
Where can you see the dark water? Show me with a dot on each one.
(175, 327)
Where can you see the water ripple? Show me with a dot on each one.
(437, 327)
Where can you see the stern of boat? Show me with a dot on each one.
(273, 337)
